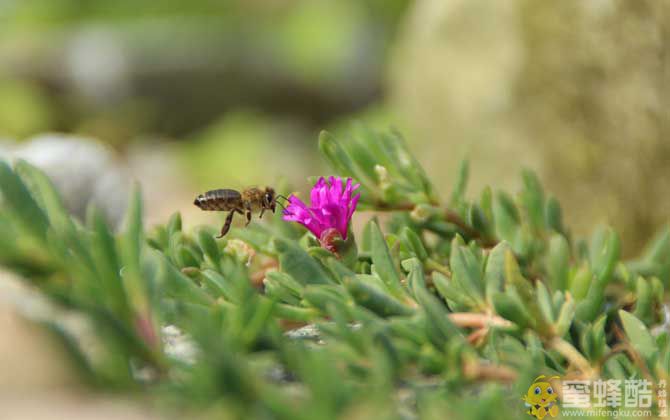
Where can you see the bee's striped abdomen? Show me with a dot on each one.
(218, 200)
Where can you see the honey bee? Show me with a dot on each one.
(233, 201)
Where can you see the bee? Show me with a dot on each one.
(242, 202)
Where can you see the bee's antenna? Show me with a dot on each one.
(280, 205)
(281, 196)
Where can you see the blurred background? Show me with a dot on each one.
(213, 94)
(191, 96)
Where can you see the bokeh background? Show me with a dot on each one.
(233, 93)
(190, 96)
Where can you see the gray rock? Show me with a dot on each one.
(178, 345)
(308, 332)
(82, 170)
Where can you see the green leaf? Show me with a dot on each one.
(532, 197)
(132, 240)
(275, 291)
(375, 299)
(454, 296)
(48, 198)
(604, 254)
(514, 278)
(439, 328)
(347, 250)
(209, 248)
(410, 168)
(554, 216)
(288, 282)
(581, 282)
(106, 260)
(458, 194)
(644, 301)
(659, 249)
(506, 217)
(17, 197)
(544, 302)
(293, 313)
(259, 321)
(183, 288)
(364, 160)
(366, 242)
(337, 270)
(174, 224)
(511, 308)
(415, 278)
(218, 284)
(297, 263)
(321, 296)
(654, 261)
(586, 342)
(599, 338)
(44, 190)
(383, 263)
(558, 262)
(494, 274)
(638, 335)
(565, 317)
(131, 251)
(414, 243)
(478, 220)
(336, 155)
(339, 313)
(486, 202)
(466, 272)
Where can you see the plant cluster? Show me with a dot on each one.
(449, 314)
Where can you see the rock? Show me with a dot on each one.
(178, 345)
(82, 170)
(308, 332)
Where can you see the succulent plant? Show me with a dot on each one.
(450, 311)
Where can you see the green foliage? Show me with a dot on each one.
(457, 307)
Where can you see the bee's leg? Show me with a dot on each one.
(226, 226)
(247, 209)
(260, 216)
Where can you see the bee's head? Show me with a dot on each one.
(269, 199)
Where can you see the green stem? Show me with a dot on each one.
(433, 265)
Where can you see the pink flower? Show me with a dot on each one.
(330, 209)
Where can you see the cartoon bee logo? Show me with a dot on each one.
(541, 399)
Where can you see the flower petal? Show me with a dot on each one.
(335, 190)
(315, 198)
(352, 205)
(346, 196)
(331, 206)
(297, 211)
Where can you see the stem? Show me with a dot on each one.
(431, 264)
(395, 207)
(475, 320)
(575, 357)
(479, 371)
(450, 216)
(633, 355)
(478, 335)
